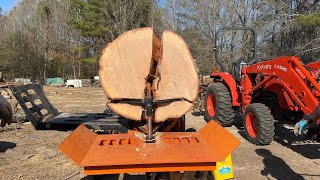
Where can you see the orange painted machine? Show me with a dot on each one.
(150, 143)
(281, 88)
(131, 153)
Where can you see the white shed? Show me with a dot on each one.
(77, 83)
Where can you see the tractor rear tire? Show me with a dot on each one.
(218, 105)
(258, 124)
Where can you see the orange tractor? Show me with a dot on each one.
(280, 88)
(141, 76)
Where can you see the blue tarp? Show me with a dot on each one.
(54, 81)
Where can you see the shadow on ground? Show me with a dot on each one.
(203, 175)
(239, 124)
(301, 145)
(115, 177)
(275, 166)
(197, 113)
(4, 146)
(284, 135)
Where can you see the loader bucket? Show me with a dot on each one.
(128, 153)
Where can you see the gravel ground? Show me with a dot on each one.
(29, 154)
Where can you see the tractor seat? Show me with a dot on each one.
(235, 70)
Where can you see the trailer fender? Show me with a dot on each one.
(229, 81)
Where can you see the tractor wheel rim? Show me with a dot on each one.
(251, 124)
(211, 105)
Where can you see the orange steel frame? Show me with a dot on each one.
(295, 85)
(128, 153)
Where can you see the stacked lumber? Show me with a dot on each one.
(140, 56)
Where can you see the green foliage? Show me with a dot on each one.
(44, 10)
(312, 20)
(102, 18)
(89, 18)
(91, 60)
(79, 49)
(20, 59)
(65, 38)
(101, 21)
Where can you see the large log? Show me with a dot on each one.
(125, 64)
(140, 56)
(179, 77)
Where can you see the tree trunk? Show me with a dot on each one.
(139, 57)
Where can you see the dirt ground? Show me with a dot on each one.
(29, 154)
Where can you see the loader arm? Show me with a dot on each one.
(299, 82)
(315, 65)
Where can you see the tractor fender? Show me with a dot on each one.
(229, 81)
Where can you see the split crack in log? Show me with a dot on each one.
(140, 56)
(154, 76)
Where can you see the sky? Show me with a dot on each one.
(162, 3)
(7, 5)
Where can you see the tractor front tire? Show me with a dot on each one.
(218, 105)
(258, 124)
